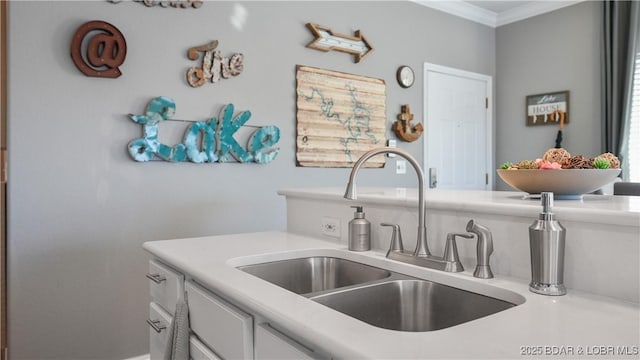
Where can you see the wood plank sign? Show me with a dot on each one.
(339, 117)
(327, 40)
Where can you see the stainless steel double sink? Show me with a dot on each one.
(379, 297)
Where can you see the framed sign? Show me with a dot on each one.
(340, 116)
(548, 108)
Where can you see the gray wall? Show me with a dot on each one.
(550, 52)
(80, 208)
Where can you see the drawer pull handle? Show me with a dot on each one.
(156, 325)
(156, 278)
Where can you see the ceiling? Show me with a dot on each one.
(496, 13)
(498, 6)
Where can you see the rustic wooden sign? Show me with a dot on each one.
(213, 66)
(547, 108)
(327, 40)
(339, 117)
(105, 51)
(166, 3)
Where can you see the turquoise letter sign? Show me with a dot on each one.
(204, 141)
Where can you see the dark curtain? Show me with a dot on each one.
(619, 50)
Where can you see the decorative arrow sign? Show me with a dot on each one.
(327, 40)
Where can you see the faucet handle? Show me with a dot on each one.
(396, 238)
(451, 252)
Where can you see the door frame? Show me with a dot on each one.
(3, 178)
(429, 67)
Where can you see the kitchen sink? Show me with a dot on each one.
(382, 298)
(315, 274)
(412, 305)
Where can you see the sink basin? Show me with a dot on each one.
(412, 305)
(314, 274)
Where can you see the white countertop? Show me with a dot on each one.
(605, 209)
(574, 322)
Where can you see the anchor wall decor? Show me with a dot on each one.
(204, 141)
(403, 128)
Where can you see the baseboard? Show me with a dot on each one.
(141, 357)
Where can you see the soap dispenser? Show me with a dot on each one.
(546, 241)
(359, 231)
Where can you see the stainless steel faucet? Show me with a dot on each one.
(422, 250)
(421, 256)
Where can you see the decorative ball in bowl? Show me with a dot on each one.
(564, 183)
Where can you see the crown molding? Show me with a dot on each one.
(531, 9)
(477, 14)
(462, 9)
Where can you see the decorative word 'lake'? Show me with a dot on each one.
(204, 141)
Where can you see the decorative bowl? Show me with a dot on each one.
(564, 183)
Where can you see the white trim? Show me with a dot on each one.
(462, 9)
(477, 14)
(428, 67)
(141, 357)
(531, 9)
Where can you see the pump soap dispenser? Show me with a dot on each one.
(359, 231)
(546, 241)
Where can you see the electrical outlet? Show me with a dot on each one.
(331, 227)
(401, 166)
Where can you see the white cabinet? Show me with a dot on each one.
(219, 329)
(165, 285)
(159, 324)
(200, 351)
(219, 324)
(272, 344)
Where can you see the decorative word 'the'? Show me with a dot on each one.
(204, 141)
(213, 65)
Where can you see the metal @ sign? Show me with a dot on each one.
(105, 51)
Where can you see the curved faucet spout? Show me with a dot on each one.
(350, 193)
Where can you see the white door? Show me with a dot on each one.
(458, 150)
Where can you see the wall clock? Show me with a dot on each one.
(405, 76)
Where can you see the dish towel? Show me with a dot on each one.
(178, 344)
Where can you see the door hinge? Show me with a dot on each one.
(486, 103)
(486, 178)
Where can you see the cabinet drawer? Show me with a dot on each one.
(272, 344)
(165, 285)
(226, 329)
(159, 336)
(200, 351)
